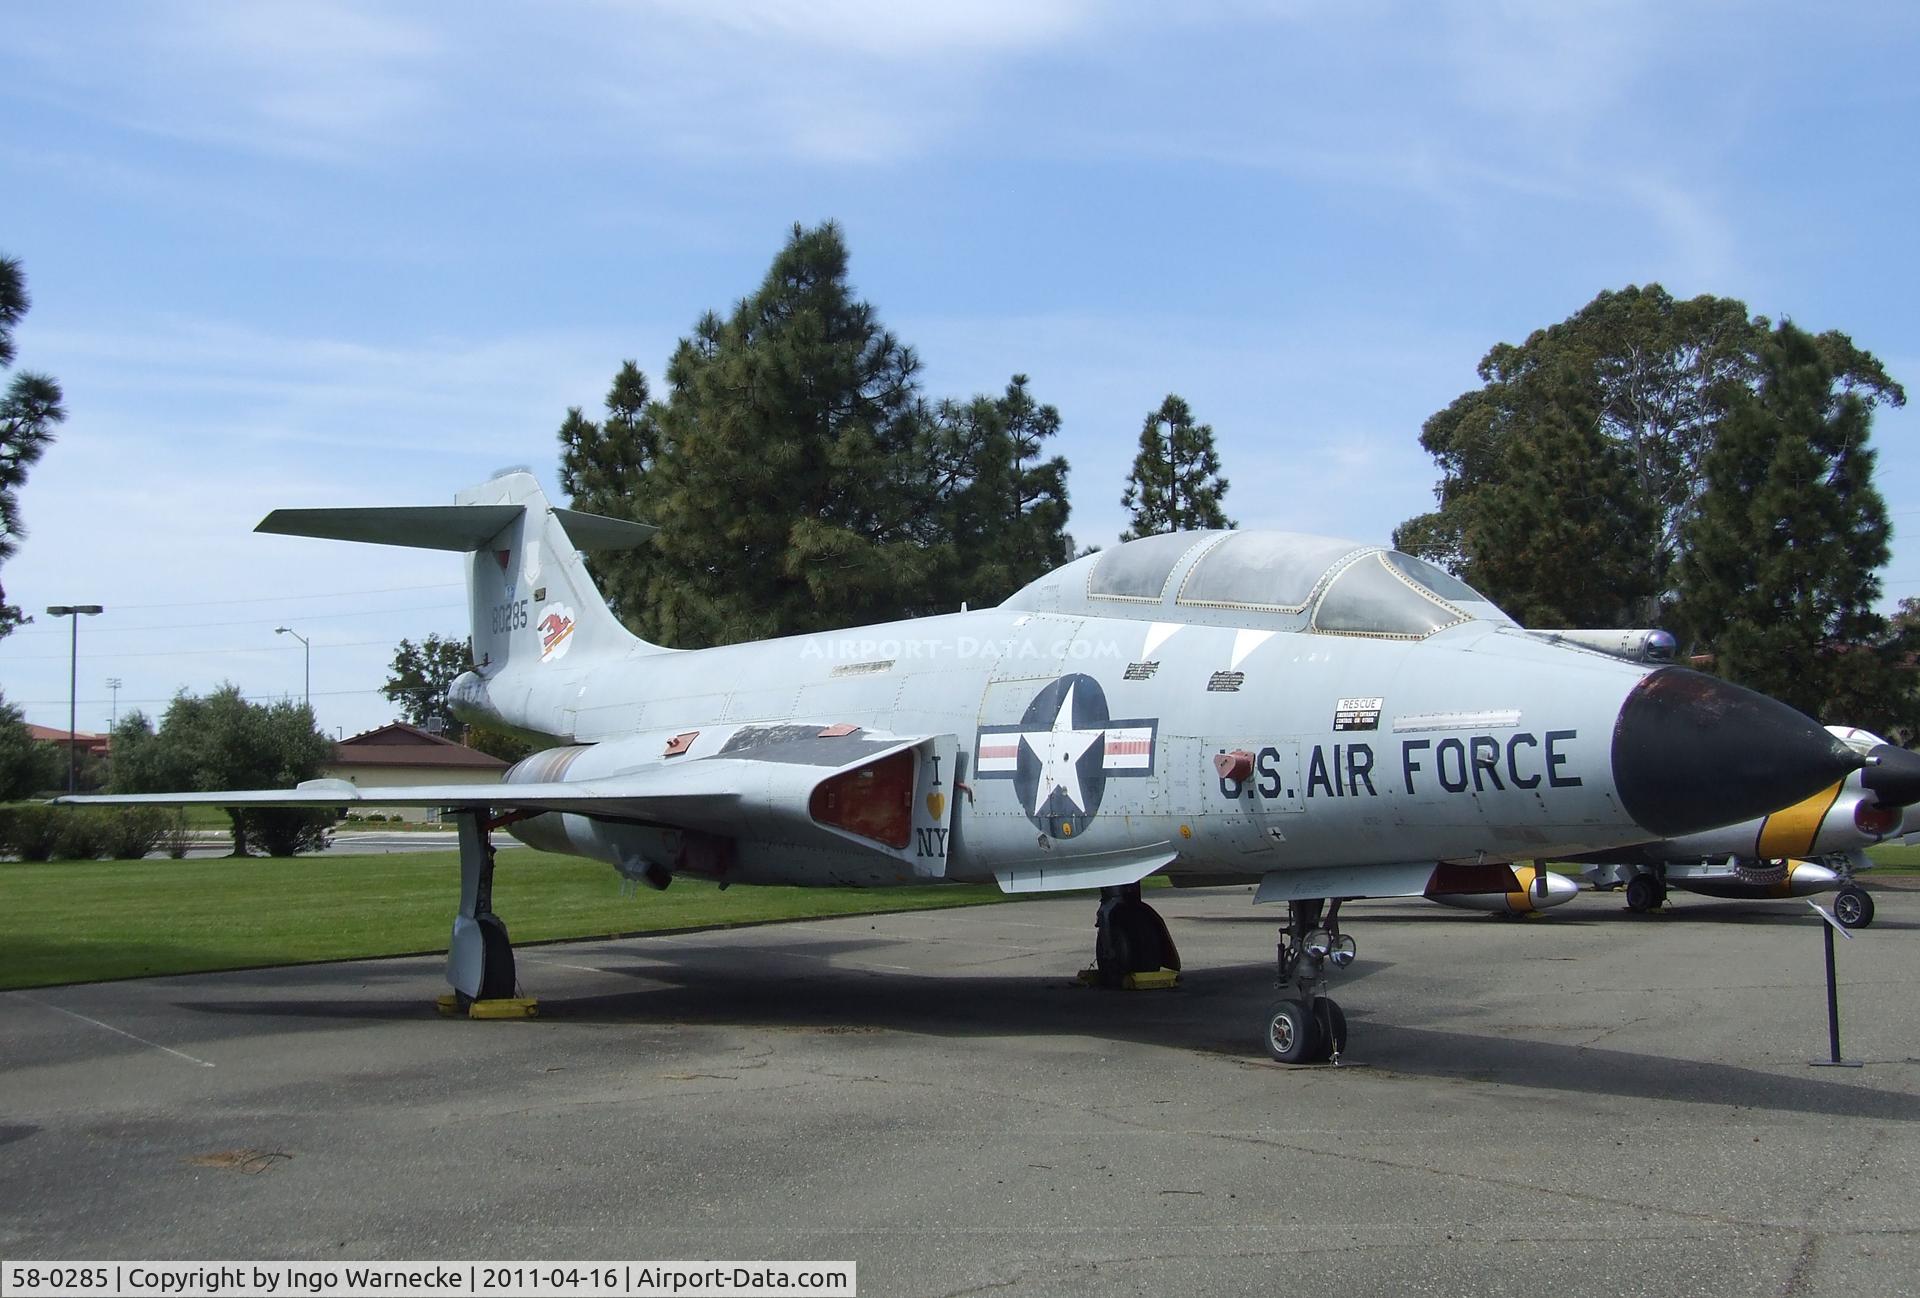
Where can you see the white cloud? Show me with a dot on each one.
(185, 432)
(1545, 67)
(308, 78)
(885, 29)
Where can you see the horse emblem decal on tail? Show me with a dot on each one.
(556, 632)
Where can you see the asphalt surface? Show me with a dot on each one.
(1589, 1104)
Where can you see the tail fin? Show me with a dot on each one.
(530, 597)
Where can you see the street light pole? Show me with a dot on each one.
(307, 692)
(76, 612)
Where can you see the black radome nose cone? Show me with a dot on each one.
(1893, 775)
(1693, 752)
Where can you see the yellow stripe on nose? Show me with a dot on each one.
(1791, 831)
(1524, 875)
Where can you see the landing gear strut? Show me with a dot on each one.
(1131, 937)
(479, 957)
(1305, 1026)
(1852, 905)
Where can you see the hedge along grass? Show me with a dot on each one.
(84, 921)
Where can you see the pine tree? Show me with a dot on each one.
(607, 468)
(1175, 484)
(792, 494)
(1779, 577)
(1003, 510)
(29, 409)
(800, 479)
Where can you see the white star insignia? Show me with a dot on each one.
(1059, 751)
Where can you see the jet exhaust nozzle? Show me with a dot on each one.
(1692, 752)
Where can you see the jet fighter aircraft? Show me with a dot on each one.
(1815, 845)
(1328, 718)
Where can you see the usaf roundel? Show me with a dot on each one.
(1063, 752)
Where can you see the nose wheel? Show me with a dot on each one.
(1312, 1032)
(1306, 1026)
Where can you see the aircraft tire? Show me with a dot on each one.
(1291, 1035)
(1853, 907)
(1643, 894)
(1169, 953)
(497, 979)
(1330, 1028)
(1134, 940)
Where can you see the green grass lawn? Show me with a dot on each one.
(1895, 860)
(82, 921)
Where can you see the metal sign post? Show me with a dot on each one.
(1833, 994)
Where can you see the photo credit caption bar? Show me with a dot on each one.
(400, 1279)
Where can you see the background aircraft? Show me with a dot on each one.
(1329, 719)
(1812, 846)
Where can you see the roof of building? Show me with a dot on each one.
(48, 735)
(399, 744)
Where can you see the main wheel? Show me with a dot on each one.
(1853, 907)
(1132, 940)
(1643, 893)
(497, 981)
(1292, 1035)
(1330, 1026)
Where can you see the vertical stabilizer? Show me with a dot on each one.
(531, 598)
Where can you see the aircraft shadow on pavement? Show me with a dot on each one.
(1212, 1013)
(1429, 1052)
(1694, 911)
(801, 988)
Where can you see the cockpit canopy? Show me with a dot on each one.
(1285, 580)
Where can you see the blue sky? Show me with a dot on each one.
(333, 253)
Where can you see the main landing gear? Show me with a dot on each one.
(1852, 904)
(1131, 937)
(1645, 893)
(1305, 1026)
(479, 957)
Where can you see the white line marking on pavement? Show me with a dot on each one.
(178, 1054)
(562, 964)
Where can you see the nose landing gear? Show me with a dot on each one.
(1305, 1026)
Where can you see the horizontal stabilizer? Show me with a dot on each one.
(461, 528)
(598, 532)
